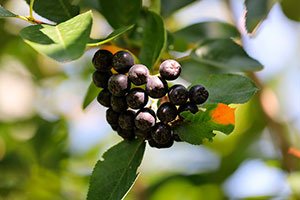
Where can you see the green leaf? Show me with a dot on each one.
(115, 34)
(116, 172)
(228, 88)
(291, 9)
(55, 10)
(154, 39)
(225, 53)
(257, 11)
(64, 42)
(90, 95)
(169, 7)
(192, 35)
(200, 126)
(120, 13)
(6, 13)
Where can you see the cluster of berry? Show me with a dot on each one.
(122, 99)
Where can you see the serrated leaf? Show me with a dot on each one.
(64, 42)
(6, 13)
(228, 88)
(226, 54)
(201, 126)
(154, 39)
(192, 35)
(291, 9)
(116, 172)
(169, 7)
(115, 34)
(55, 10)
(90, 95)
(256, 12)
(120, 13)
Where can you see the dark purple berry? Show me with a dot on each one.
(167, 112)
(118, 104)
(126, 134)
(100, 79)
(145, 119)
(152, 143)
(178, 94)
(118, 84)
(138, 74)
(136, 98)
(192, 107)
(126, 120)
(169, 69)
(104, 98)
(156, 87)
(162, 134)
(112, 117)
(198, 94)
(146, 134)
(122, 61)
(102, 60)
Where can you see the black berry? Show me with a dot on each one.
(138, 74)
(104, 98)
(152, 143)
(170, 69)
(118, 104)
(166, 112)
(178, 94)
(192, 107)
(156, 87)
(126, 134)
(144, 134)
(118, 85)
(112, 117)
(136, 98)
(126, 120)
(145, 119)
(198, 94)
(122, 61)
(102, 60)
(100, 79)
(177, 138)
(162, 134)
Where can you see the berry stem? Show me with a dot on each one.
(31, 10)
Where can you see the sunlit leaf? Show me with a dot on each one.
(64, 42)
(90, 95)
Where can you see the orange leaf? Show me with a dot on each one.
(223, 114)
(295, 152)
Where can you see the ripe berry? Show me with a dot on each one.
(145, 119)
(198, 94)
(156, 87)
(136, 98)
(102, 60)
(126, 120)
(122, 61)
(104, 98)
(169, 69)
(118, 85)
(193, 108)
(177, 138)
(138, 74)
(126, 134)
(118, 104)
(167, 112)
(178, 94)
(162, 134)
(152, 143)
(100, 79)
(112, 117)
(146, 134)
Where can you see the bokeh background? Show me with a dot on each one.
(49, 144)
